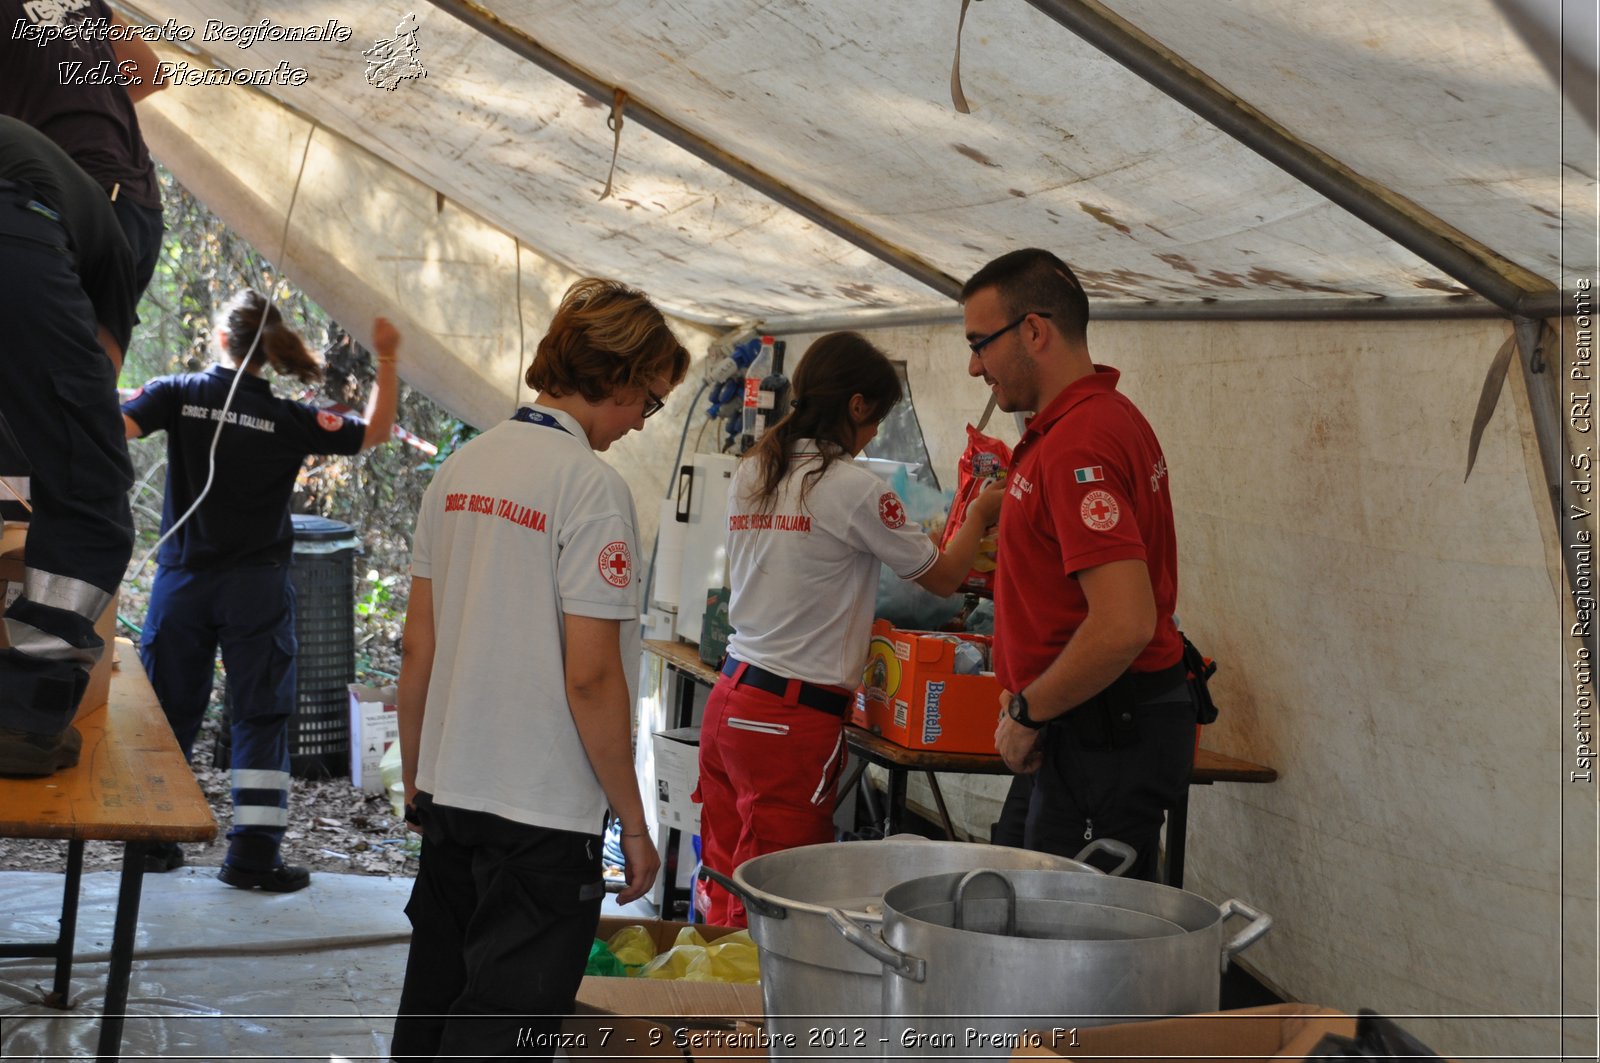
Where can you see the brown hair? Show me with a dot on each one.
(1033, 280)
(280, 345)
(605, 337)
(835, 368)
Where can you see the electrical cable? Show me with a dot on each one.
(239, 373)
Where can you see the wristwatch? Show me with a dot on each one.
(1018, 711)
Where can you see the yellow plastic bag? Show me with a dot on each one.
(731, 958)
(633, 947)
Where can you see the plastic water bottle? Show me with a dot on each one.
(755, 415)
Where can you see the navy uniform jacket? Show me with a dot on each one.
(245, 517)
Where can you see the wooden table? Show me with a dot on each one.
(684, 658)
(1209, 767)
(132, 785)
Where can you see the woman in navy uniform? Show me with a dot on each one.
(223, 575)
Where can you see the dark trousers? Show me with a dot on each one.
(503, 915)
(143, 227)
(1080, 794)
(60, 422)
(249, 612)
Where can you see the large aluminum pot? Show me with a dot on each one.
(972, 959)
(821, 995)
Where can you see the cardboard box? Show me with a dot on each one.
(374, 727)
(596, 1035)
(98, 692)
(656, 998)
(915, 698)
(1279, 1032)
(677, 755)
(647, 1018)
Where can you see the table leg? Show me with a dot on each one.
(1177, 828)
(895, 812)
(123, 932)
(60, 992)
(938, 799)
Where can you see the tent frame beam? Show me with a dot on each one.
(487, 23)
(1541, 372)
(1514, 289)
(1422, 308)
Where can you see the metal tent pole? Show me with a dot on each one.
(1481, 269)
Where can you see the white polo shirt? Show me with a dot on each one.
(522, 525)
(805, 577)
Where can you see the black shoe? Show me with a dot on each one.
(30, 754)
(282, 879)
(162, 857)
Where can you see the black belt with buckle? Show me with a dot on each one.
(810, 695)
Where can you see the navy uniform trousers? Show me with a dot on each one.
(59, 420)
(1082, 793)
(249, 611)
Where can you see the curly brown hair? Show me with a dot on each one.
(605, 337)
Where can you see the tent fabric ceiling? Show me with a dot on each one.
(848, 104)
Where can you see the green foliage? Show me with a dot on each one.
(202, 264)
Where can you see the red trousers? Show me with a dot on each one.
(768, 771)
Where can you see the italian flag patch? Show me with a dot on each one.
(1089, 475)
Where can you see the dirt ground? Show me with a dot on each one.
(332, 827)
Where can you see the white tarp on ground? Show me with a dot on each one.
(218, 973)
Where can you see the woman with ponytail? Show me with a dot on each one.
(223, 567)
(807, 530)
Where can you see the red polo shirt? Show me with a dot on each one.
(1088, 486)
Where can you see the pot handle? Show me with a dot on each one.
(871, 942)
(756, 904)
(959, 896)
(1121, 850)
(1260, 923)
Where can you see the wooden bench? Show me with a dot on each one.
(132, 785)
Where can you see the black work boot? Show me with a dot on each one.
(161, 857)
(30, 754)
(285, 878)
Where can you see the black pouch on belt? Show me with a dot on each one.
(1200, 668)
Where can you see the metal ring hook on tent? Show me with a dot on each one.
(957, 97)
(614, 123)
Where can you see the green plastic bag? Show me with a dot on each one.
(602, 963)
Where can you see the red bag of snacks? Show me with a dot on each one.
(985, 460)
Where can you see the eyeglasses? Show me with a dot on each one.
(653, 404)
(979, 344)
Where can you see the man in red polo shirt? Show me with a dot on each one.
(1096, 705)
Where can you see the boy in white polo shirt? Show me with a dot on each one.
(514, 694)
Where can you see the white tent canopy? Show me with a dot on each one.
(1392, 638)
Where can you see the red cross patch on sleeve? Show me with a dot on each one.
(1100, 511)
(329, 421)
(616, 567)
(890, 511)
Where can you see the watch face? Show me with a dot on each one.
(1018, 707)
